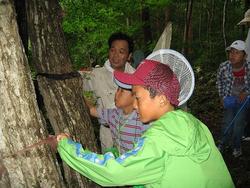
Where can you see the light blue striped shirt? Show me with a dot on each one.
(125, 129)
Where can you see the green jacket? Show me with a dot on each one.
(177, 151)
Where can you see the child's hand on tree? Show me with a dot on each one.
(91, 104)
(62, 136)
(53, 140)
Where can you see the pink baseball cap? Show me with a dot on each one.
(155, 75)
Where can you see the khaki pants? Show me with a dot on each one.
(105, 138)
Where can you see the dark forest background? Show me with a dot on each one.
(60, 37)
(202, 29)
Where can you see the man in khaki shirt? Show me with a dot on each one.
(100, 80)
(246, 22)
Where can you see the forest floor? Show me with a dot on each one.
(239, 168)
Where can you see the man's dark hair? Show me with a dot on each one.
(122, 36)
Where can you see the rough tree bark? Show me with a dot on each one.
(21, 19)
(60, 87)
(20, 122)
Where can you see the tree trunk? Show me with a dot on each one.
(224, 23)
(247, 5)
(22, 22)
(61, 88)
(164, 41)
(188, 28)
(210, 25)
(146, 26)
(20, 122)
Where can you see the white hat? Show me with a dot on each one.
(122, 85)
(238, 45)
(246, 18)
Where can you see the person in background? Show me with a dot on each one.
(100, 80)
(233, 83)
(177, 150)
(123, 120)
(138, 56)
(246, 22)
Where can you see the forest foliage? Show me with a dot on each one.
(88, 24)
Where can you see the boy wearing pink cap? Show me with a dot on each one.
(123, 120)
(176, 151)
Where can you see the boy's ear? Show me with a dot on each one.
(163, 100)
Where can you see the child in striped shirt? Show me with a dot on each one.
(123, 120)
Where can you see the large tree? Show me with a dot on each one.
(60, 86)
(20, 122)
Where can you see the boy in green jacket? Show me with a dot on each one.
(177, 151)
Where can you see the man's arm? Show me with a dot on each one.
(143, 165)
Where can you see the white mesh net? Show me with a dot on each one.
(181, 67)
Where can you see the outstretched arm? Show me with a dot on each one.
(92, 108)
(143, 165)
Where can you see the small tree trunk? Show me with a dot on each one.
(61, 88)
(188, 28)
(20, 121)
(224, 23)
(146, 26)
(210, 16)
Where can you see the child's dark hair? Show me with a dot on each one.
(152, 92)
(122, 36)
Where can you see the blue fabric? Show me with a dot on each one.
(92, 157)
(233, 125)
(248, 101)
(230, 102)
(95, 158)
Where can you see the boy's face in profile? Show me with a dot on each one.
(236, 57)
(146, 106)
(123, 98)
